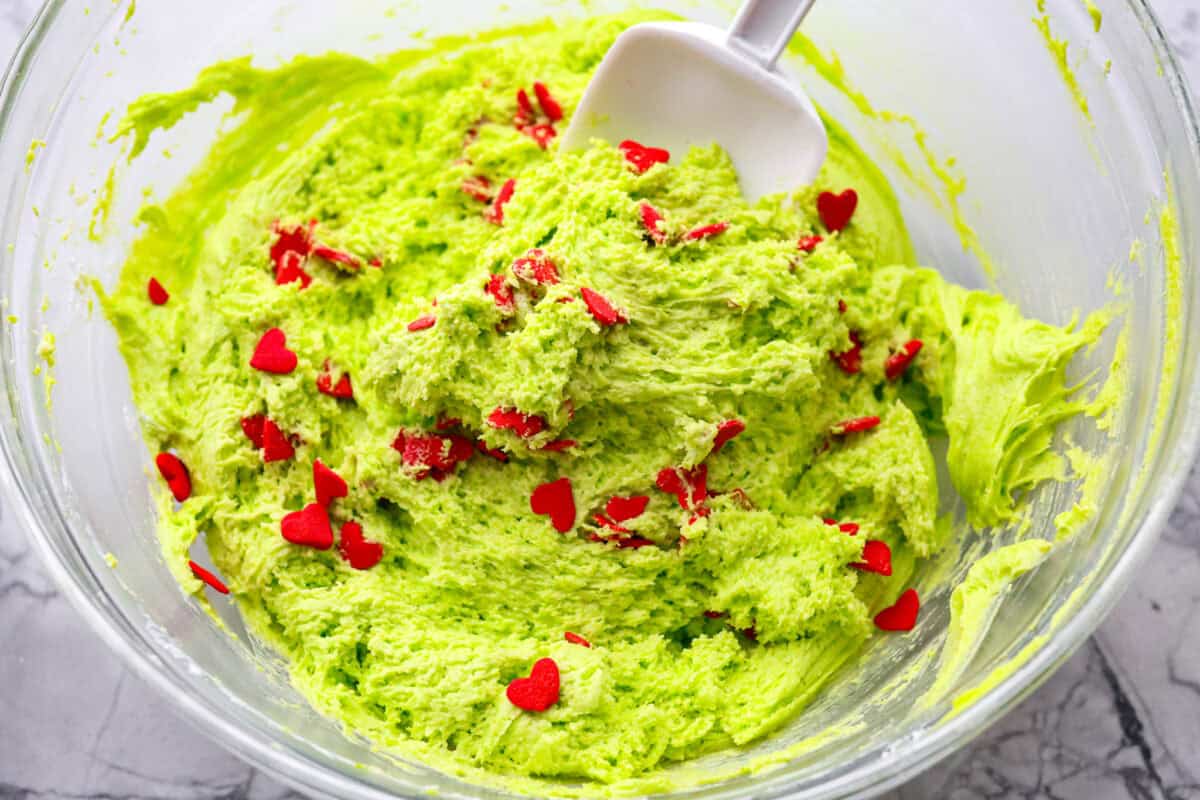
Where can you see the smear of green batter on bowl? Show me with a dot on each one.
(457, 352)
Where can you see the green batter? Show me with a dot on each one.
(459, 352)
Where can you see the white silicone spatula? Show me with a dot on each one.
(679, 84)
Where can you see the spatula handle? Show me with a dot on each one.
(763, 28)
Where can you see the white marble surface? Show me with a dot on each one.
(1121, 719)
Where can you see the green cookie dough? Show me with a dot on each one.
(416, 652)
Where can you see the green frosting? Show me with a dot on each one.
(415, 653)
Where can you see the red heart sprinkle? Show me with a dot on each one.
(856, 425)
(550, 106)
(290, 270)
(501, 292)
(328, 484)
(422, 322)
(308, 527)
(477, 187)
(440, 454)
(252, 426)
(536, 267)
(158, 295)
(271, 354)
(725, 431)
(809, 243)
(207, 577)
(575, 638)
(620, 509)
(297, 239)
(559, 445)
(175, 474)
(902, 616)
(341, 390)
(358, 551)
(876, 557)
(899, 361)
(706, 231)
(601, 309)
(336, 256)
(525, 113)
(556, 501)
(523, 425)
(842, 306)
(495, 453)
(495, 212)
(837, 209)
(537, 692)
(605, 522)
(275, 446)
(653, 222)
(851, 360)
(642, 158)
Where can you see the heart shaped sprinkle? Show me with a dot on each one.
(207, 577)
(495, 212)
(558, 445)
(423, 322)
(355, 549)
(876, 557)
(642, 158)
(856, 425)
(252, 426)
(477, 187)
(898, 362)
(575, 638)
(501, 292)
(536, 267)
(275, 445)
(175, 474)
(340, 257)
(620, 509)
(158, 295)
(706, 231)
(902, 616)
(342, 390)
(601, 309)
(523, 425)
(271, 354)
(809, 243)
(652, 221)
(837, 209)
(851, 360)
(328, 484)
(433, 456)
(555, 500)
(550, 106)
(537, 692)
(726, 431)
(308, 527)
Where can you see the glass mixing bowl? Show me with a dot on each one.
(1057, 199)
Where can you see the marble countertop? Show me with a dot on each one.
(1121, 719)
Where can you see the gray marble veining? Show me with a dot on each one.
(1121, 719)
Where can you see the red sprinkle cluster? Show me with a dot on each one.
(341, 389)
(433, 455)
(292, 249)
(510, 419)
(540, 128)
(535, 267)
(642, 158)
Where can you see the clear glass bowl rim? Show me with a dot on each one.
(870, 774)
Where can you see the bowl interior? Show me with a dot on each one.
(1068, 209)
